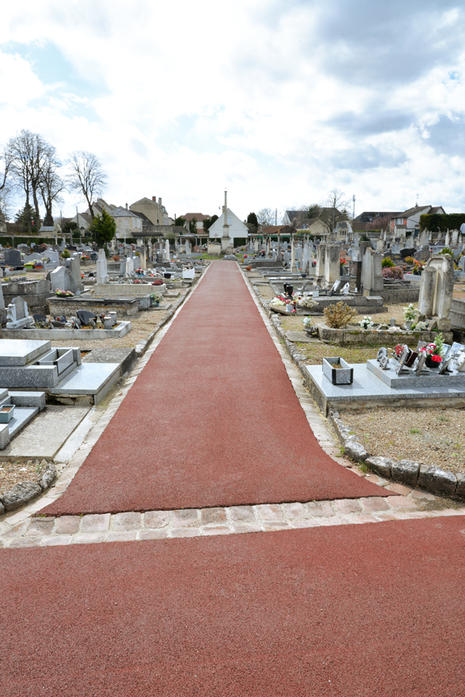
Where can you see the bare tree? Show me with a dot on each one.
(5, 158)
(87, 176)
(338, 205)
(29, 153)
(50, 185)
(266, 216)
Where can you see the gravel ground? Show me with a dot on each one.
(14, 471)
(432, 436)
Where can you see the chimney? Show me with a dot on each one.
(154, 198)
(159, 201)
(127, 206)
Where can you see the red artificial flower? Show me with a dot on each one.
(436, 359)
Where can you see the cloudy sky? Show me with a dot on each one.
(279, 101)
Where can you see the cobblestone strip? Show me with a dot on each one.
(157, 525)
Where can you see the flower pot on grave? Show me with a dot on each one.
(430, 363)
(6, 413)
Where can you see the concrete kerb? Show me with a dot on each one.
(433, 479)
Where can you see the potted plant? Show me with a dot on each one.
(434, 352)
(410, 315)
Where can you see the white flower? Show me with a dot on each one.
(366, 323)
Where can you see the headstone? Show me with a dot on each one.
(372, 274)
(12, 257)
(332, 263)
(321, 261)
(102, 269)
(129, 267)
(437, 285)
(74, 268)
(60, 279)
(167, 251)
(18, 316)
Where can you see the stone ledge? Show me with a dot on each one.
(23, 492)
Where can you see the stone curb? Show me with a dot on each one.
(434, 479)
(23, 492)
(431, 478)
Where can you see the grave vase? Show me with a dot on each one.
(430, 363)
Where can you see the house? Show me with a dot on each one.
(228, 225)
(318, 220)
(407, 223)
(153, 210)
(198, 218)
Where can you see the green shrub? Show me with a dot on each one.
(387, 263)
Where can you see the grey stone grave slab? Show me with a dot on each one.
(18, 352)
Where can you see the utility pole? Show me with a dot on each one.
(353, 206)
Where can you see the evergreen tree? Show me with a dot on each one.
(103, 229)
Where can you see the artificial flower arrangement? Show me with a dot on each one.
(434, 350)
(283, 303)
(410, 313)
(399, 349)
(343, 261)
(304, 301)
(366, 323)
(63, 293)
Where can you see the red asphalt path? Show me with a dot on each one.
(212, 420)
(350, 611)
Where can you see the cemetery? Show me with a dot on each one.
(406, 356)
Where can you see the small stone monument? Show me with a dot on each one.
(18, 316)
(102, 269)
(372, 274)
(437, 285)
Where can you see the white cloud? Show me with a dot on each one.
(268, 98)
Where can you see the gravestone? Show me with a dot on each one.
(332, 263)
(321, 261)
(167, 256)
(372, 274)
(437, 285)
(13, 257)
(18, 316)
(59, 279)
(129, 267)
(74, 267)
(102, 268)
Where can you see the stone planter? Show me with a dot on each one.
(338, 371)
(6, 413)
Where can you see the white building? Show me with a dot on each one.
(227, 226)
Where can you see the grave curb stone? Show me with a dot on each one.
(48, 476)
(437, 480)
(380, 465)
(460, 488)
(20, 494)
(405, 471)
(354, 449)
